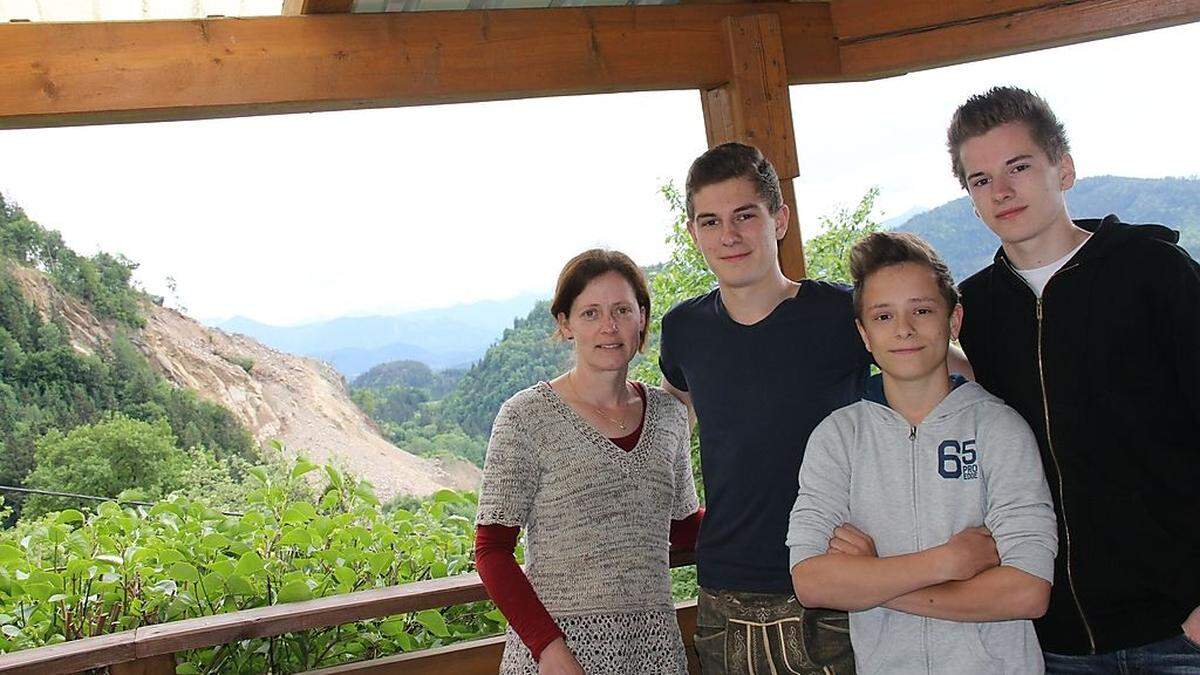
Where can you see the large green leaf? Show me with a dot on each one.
(433, 622)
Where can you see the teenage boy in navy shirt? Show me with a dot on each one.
(1091, 330)
(760, 360)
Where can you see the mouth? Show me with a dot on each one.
(1009, 213)
(736, 257)
(906, 351)
(615, 345)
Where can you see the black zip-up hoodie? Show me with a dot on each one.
(1106, 370)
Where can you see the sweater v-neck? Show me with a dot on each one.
(623, 458)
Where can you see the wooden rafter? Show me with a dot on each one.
(161, 70)
(80, 73)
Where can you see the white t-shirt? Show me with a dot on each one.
(1038, 277)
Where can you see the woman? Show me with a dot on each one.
(596, 468)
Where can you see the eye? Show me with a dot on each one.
(921, 311)
(881, 317)
(745, 215)
(624, 310)
(980, 182)
(588, 314)
(707, 222)
(1019, 168)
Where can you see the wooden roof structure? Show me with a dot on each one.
(322, 55)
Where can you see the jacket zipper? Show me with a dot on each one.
(912, 437)
(1054, 456)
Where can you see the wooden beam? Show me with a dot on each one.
(297, 7)
(950, 33)
(92, 73)
(754, 107)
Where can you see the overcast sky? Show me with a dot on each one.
(295, 218)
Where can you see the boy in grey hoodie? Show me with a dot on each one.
(924, 513)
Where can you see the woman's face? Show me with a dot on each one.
(605, 323)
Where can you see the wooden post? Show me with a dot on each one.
(753, 107)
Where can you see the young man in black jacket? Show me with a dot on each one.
(1091, 330)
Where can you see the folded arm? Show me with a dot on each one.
(852, 577)
(854, 583)
(997, 594)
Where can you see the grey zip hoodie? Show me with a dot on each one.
(972, 461)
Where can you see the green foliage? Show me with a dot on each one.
(74, 574)
(684, 275)
(403, 399)
(410, 374)
(101, 280)
(827, 255)
(105, 459)
(524, 355)
(46, 385)
(246, 363)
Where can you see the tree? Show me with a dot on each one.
(827, 255)
(105, 459)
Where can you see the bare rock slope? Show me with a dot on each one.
(299, 401)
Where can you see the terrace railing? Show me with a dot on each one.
(150, 650)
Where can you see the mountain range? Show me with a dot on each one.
(441, 338)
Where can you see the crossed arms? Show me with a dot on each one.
(961, 580)
(993, 573)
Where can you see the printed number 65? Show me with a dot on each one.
(952, 456)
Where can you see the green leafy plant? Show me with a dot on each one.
(73, 574)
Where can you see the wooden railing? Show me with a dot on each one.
(150, 650)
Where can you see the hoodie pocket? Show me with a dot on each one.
(982, 661)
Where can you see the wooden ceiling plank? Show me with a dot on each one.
(1054, 25)
(298, 7)
(89, 73)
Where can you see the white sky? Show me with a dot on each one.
(296, 218)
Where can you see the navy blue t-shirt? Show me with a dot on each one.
(759, 391)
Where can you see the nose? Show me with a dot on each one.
(610, 324)
(729, 233)
(1001, 188)
(904, 327)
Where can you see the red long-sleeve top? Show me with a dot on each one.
(509, 588)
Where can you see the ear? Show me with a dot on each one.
(691, 230)
(781, 221)
(561, 320)
(863, 334)
(1066, 172)
(956, 317)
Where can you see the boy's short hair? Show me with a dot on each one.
(884, 249)
(579, 272)
(1003, 105)
(734, 160)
